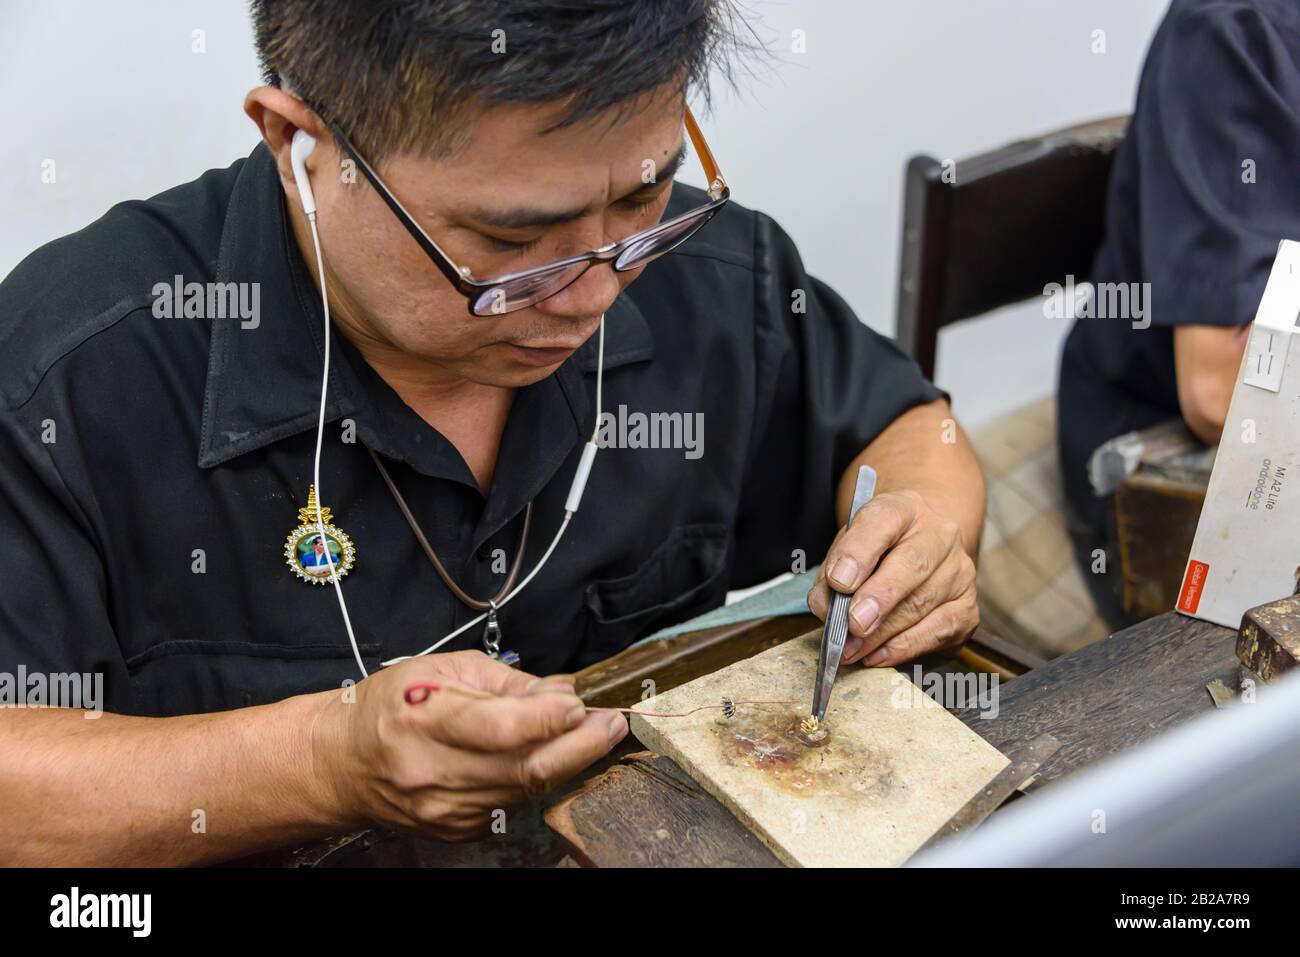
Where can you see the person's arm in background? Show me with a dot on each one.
(1217, 130)
(1206, 361)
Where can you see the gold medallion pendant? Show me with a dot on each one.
(309, 555)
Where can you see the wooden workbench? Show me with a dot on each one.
(1096, 701)
(640, 810)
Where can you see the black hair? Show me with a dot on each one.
(401, 76)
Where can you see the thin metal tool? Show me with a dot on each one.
(837, 619)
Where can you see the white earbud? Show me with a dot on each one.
(303, 144)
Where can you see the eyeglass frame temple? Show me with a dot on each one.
(717, 182)
(446, 265)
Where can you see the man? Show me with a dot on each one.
(514, 134)
(315, 560)
(1201, 193)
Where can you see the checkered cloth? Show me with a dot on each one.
(1031, 591)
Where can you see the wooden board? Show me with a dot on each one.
(621, 819)
(1155, 521)
(620, 681)
(893, 769)
(1114, 694)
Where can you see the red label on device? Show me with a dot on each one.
(1193, 584)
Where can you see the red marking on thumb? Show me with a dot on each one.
(419, 693)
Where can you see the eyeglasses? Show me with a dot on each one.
(519, 290)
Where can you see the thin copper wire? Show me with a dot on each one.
(703, 707)
(429, 687)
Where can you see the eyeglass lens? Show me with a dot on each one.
(527, 290)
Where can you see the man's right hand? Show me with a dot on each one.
(440, 768)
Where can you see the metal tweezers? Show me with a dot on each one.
(836, 628)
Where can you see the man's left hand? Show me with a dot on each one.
(912, 582)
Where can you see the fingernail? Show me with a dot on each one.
(844, 571)
(865, 613)
(852, 645)
(617, 728)
(574, 717)
(877, 656)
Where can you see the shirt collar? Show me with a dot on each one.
(263, 381)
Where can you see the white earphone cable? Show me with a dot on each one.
(571, 503)
(320, 435)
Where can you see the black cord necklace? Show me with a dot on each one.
(492, 630)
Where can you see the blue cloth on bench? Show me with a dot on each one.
(789, 597)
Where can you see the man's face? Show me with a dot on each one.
(319, 547)
(509, 200)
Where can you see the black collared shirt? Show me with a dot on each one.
(151, 468)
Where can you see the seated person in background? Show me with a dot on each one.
(1202, 191)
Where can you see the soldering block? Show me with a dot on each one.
(1268, 642)
(885, 770)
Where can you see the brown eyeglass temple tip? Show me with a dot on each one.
(706, 155)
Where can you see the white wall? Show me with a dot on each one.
(115, 95)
